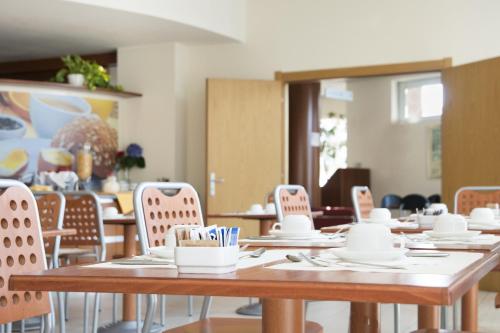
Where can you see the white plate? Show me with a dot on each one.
(392, 255)
(295, 235)
(380, 221)
(162, 252)
(464, 235)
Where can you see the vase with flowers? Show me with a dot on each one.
(132, 157)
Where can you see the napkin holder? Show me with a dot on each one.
(206, 260)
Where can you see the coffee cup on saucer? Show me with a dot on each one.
(294, 224)
(270, 208)
(482, 215)
(379, 215)
(110, 211)
(495, 207)
(256, 209)
(450, 223)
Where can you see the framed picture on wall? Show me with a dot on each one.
(434, 152)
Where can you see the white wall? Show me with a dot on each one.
(300, 35)
(394, 152)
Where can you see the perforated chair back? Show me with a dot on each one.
(470, 197)
(291, 200)
(83, 213)
(391, 201)
(51, 212)
(362, 202)
(21, 252)
(159, 206)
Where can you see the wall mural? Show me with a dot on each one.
(42, 132)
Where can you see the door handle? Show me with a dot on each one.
(214, 180)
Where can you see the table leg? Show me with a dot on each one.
(129, 305)
(469, 310)
(265, 226)
(428, 317)
(365, 318)
(283, 315)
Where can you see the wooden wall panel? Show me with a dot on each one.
(471, 126)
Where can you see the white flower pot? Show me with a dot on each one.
(77, 80)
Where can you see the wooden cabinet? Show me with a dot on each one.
(337, 191)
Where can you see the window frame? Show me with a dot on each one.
(403, 84)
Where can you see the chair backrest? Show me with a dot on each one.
(291, 200)
(434, 198)
(159, 206)
(362, 202)
(469, 197)
(51, 212)
(412, 202)
(21, 252)
(391, 201)
(83, 212)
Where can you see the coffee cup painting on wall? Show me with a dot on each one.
(44, 132)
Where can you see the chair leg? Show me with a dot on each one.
(23, 326)
(190, 306)
(150, 313)
(444, 317)
(456, 316)
(67, 262)
(397, 315)
(207, 300)
(47, 323)
(97, 304)
(8, 328)
(115, 303)
(85, 313)
(163, 300)
(62, 319)
(138, 313)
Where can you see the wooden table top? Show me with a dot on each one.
(426, 289)
(244, 215)
(58, 232)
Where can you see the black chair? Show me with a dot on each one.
(412, 202)
(435, 198)
(391, 201)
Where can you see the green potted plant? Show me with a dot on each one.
(79, 71)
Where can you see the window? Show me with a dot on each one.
(333, 149)
(419, 99)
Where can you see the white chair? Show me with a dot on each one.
(292, 200)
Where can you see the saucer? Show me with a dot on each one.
(162, 252)
(464, 234)
(295, 235)
(391, 255)
(484, 222)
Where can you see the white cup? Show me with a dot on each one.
(256, 209)
(294, 223)
(450, 223)
(270, 208)
(110, 211)
(380, 214)
(436, 207)
(495, 207)
(371, 237)
(481, 214)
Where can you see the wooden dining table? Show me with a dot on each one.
(283, 291)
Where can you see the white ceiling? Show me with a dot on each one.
(35, 29)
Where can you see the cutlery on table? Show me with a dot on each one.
(244, 247)
(320, 262)
(255, 254)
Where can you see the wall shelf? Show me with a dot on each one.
(63, 89)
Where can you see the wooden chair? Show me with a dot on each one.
(362, 201)
(83, 212)
(291, 200)
(158, 207)
(51, 212)
(22, 252)
(470, 197)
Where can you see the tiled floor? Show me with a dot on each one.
(332, 315)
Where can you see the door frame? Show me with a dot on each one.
(415, 67)
(365, 71)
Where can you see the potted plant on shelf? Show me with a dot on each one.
(79, 71)
(130, 158)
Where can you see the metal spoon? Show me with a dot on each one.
(255, 254)
(312, 261)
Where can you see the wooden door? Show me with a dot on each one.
(471, 126)
(245, 146)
